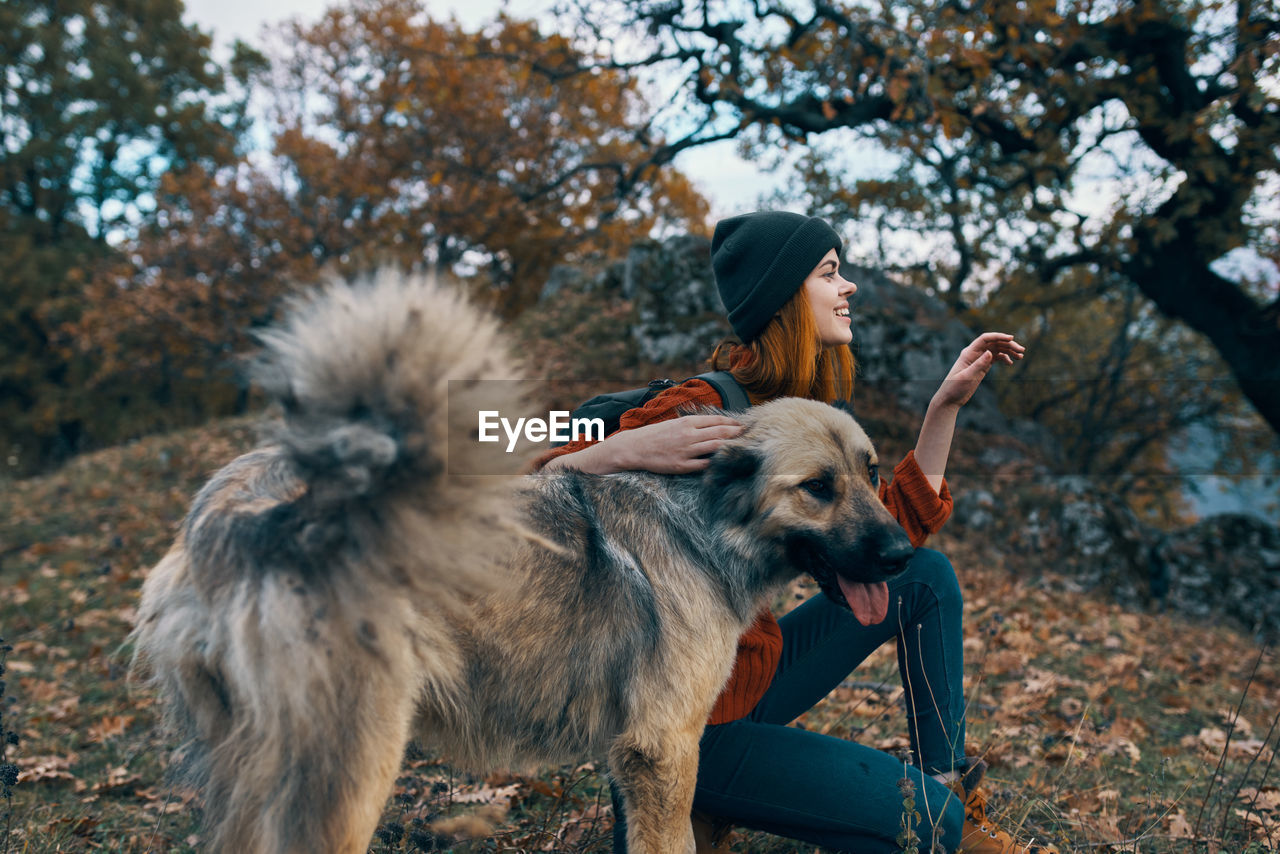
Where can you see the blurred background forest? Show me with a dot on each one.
(1099, 177)
(1102, 178)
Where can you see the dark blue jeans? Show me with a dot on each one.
(758, 772)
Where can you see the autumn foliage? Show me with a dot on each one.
(99, 99)
(157, 204)
(402, 138)
(179, 211)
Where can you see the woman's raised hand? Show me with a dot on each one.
(971, 368)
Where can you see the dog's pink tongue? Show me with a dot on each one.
(869, 602)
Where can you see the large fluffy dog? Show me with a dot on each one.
(342, 589)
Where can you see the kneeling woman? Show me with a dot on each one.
(778, 274)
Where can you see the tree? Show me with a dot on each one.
(1117, 385)
(1178, 100)
(405, 137)
(396, 140)
(166, 323)
(98, 100)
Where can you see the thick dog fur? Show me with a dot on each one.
(338, 591)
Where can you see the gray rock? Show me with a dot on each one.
(974, 510)
(679, 315)
(906, 343)
(1224, 567)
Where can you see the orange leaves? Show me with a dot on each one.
(119, 780)
(101, 98)
(1210, 742)
(46, 769)
(897, 87)
(1082, 710)
(109, 727)
(51, 701)
(1098, 810)
(1260, 807)
(951, 123)
(58, 770)
(488, 151)
(397, 140)
(487, 794)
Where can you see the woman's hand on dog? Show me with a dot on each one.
(677, 446)
(971, 368)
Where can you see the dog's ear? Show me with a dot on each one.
(730, 482)
(732, 464)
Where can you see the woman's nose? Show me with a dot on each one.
(847, 287)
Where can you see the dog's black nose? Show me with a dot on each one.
(893, 550)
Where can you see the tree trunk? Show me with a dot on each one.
(1175, 274)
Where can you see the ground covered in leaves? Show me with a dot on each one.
(1106, 730)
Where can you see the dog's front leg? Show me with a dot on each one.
(657, 782)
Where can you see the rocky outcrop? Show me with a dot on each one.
(1226, 564)
(679, 315)
(1223, 567)
(906, 341)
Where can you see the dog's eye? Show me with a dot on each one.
(819, 489)
(873, 472)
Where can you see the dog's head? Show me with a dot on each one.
(804, 476)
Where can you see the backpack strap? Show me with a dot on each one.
(733, 397)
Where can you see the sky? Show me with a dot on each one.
(732, 185)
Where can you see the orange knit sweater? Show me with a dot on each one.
(909, 498)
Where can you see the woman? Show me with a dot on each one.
(778, 275)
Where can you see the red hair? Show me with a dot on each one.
(788, 360)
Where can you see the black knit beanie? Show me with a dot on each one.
(760, 259)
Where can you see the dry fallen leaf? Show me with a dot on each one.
(120, 780)
(109, 727)
(487, 795)
(1178, 827)
(35, 769)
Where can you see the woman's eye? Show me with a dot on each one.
(819, 489)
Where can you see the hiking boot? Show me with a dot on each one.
(711, 835)
(980, 834)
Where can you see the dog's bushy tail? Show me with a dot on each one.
(365, 374)
(304, 611)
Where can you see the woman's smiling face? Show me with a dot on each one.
(828, 295)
